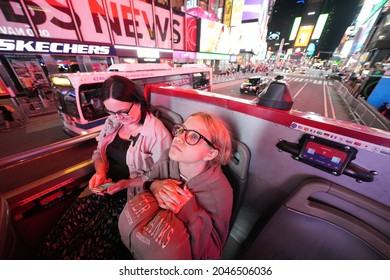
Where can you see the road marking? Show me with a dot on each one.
(325, 103)
(326, 91)
(299, 91)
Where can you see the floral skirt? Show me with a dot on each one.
(88, 230)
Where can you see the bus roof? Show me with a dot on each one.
(143, 72)
(126, 67)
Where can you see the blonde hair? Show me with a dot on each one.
(220, 136)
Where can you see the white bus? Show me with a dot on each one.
(76, 94)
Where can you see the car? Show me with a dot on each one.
(254, 85)
(303, 71)
(336, 76)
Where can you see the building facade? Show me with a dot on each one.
(41, 37)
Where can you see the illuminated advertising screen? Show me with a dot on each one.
(227, 14)
(163, 36)
(214, 37)
(191, 34)
(236, 39)
(319, 26)
(294, 30)
(253, 9)
(250, 37)
(237, 9)
(365, 21)
(3, 89)
(303, 37)
(122, 22)
(93, 26)
(145, 26)
(122, 32)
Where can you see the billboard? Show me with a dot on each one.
(237, 9)
(303, 37)
(319, 26)
(253, 10)
(294, 30)
(3, 89)
(251, 37)
(191, 34)
(214, 37)
(131, 23)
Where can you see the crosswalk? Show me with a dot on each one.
(290, 77)
(307, 78)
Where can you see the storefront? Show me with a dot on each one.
(27, 62)
(180, 58)
(214, 60)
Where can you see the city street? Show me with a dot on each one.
(309, 93)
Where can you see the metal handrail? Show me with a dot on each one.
(46, 149)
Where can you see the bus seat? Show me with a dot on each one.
(236, 171)
(321, 221)
(9, 239)
(168, 117)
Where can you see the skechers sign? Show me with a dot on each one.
(38, 46)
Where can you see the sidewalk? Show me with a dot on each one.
(39, 131)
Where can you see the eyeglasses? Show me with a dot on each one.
(122, 114)
(191, 137)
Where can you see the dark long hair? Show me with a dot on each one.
(126, 90)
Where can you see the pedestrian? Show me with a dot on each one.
(7, 112)
(131, 141)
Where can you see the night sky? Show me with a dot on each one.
(341, 15)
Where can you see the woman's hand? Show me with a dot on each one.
(120, 185)
(99, 178)
(170, 195)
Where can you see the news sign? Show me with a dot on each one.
(13, 20)
(94, 21)
(93, 25)
(164, 37)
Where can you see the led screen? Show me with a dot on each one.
(319, 26)
(295, 28)
(303, 36)
(214, 37)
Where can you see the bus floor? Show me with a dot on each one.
(31, 231)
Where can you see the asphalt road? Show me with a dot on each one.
(311, 93)
(39, 131)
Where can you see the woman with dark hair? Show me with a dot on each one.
(131, 141)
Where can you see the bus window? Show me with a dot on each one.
(85, 86)
(70, 104)
(201, 80)
(65, 99)
(91, 106)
